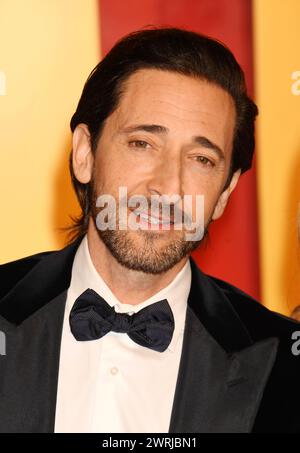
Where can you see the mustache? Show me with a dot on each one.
(159, 208)
(163, 210)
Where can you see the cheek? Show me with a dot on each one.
(112, 173)
(106, 166)
(210, 203)
(208, 196)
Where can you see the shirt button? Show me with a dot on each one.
(114, 370)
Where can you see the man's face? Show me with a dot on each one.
(171, 134)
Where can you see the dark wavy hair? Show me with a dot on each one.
(169, 49)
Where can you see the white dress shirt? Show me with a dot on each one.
(114, 385)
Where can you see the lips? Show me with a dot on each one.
(153, 219)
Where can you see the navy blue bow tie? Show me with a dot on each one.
(92, 317)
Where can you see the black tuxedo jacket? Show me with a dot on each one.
(237, 371)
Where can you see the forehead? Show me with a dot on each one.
(151, 93)
(185, 105)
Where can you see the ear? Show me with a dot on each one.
(82, 156)
(224, 197)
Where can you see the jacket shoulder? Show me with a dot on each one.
(259, 320)
(14, 271)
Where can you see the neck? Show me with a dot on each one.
(129, 286)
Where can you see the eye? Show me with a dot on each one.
(138, 144)
(205, 161)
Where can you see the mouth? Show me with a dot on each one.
(147, 218)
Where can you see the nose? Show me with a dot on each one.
(167, 178)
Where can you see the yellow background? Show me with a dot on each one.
(276, 57)
(47, 50)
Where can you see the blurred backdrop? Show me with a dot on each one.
(47, 50)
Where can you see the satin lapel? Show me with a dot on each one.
(32, 318)
(29, 370)
(222, 373)
(218, 392)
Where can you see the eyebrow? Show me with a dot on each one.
(162, 130)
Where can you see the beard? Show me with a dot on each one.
(145, 251)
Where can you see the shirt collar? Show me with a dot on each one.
(85, 275)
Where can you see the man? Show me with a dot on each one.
(120, 331)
